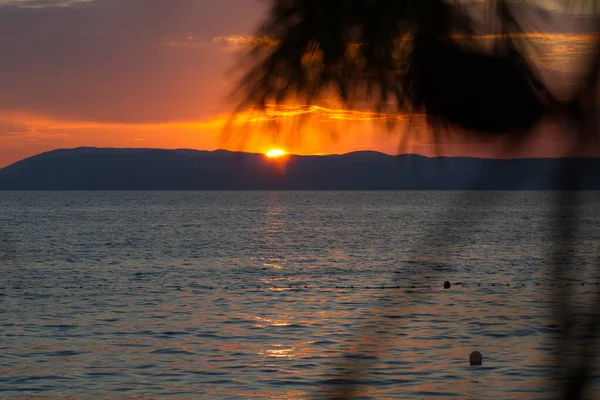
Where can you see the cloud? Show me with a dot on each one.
(221, 41)
(109, 62)
(25, 121)
(573, 7)
(187, 41)
(41, 3)
(12, 129)
(241, 41)
(280, 113)
(23, 134)
(125, 61)
(558, 51)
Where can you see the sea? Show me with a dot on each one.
(291, 295)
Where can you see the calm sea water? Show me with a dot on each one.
(194, 295)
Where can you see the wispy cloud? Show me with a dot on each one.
(274, 113)
(33, 122)
(10, 130)
(41, 3)
(24, 123)
(187, 41)
(581, 7)
(556, 50)
(224, 41)
(240, 41)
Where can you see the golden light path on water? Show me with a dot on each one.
(264, 294)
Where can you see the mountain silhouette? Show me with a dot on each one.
(157, 169)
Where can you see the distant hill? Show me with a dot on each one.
(154, 169)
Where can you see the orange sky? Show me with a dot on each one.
(114, 73)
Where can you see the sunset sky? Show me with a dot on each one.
(156, 73)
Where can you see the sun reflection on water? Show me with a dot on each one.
(274, 266)
(280, 352)
(266, 322)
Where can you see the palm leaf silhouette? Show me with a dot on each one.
(401, 55)
(422, 56)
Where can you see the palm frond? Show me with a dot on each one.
(412, 56)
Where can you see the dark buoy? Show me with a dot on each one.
(446, 285)
(475, 358)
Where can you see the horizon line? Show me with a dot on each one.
(293, 154)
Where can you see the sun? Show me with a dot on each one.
(275, 153)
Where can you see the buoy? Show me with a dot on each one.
(475, 358)
(446, 285)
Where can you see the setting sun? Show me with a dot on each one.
(275, 153)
